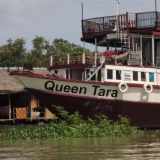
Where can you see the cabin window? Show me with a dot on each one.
(143, 76)
(99, 75)
(56, 71)
(109, 74)
(135, 76)
(67, 74)
(87, 72)
(118, 75)
(151, 77)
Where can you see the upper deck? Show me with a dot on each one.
(143, 23)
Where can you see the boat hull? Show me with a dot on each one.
(92, 98)
(143, 115)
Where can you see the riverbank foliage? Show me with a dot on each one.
(14, 52)
(72, 125)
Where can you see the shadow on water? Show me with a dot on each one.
(146, 147)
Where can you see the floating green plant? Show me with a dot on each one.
(73, 125)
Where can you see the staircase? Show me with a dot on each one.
(93, 71)
(135, 58)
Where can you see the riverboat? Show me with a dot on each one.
(124, 80)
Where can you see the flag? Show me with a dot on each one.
(117, 1)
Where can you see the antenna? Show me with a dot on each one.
(82, 10)
(155, 5)
(117, 7)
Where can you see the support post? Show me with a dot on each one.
(108, 45)
(153, 51)
(95, 51)
(141, 48)
(10, 111)
(95, 44)
(132, 43)
(83, 56)
(51, 61)
(67, 58)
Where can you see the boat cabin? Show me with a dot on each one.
(132, 44)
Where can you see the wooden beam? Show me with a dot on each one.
(156, 33)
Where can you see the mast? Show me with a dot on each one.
(117, 8)
(117, 14)
(155, 6)
(82, 10)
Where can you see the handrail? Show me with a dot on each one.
(139, 20)
(87, 58)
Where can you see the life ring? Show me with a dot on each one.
(148, 88)
(123, 87)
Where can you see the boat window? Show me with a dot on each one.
(99, 75)
(118, 74)
(151, 77)
(143, 76)
(67, 74)
(135, 76)
(87, 71)
(109, 74)
(56, 71)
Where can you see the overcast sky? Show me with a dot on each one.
(58, 18)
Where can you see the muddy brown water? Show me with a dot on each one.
(136, 148)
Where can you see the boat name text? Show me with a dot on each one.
(97, 90)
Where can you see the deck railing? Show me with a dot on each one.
(87, 58)
(75, 59)
(139, 20)
(147, 19)
(110, 57)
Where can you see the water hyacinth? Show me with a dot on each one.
(73, 125)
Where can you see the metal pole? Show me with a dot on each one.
(82, 19)
(153, 53)
(10, 111)
(82, 10)
(83, 57)
(156, 22)
(117, 8)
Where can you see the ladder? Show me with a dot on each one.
(93, 71)
(123, 25)
(123, 37)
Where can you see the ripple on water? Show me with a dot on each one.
(81, 149)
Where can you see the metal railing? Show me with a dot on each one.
(139, 20)
(88, 58)
(72, 59)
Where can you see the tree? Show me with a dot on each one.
(63, 46)
(12, 53)
(40, 48)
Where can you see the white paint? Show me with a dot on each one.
(133, 94)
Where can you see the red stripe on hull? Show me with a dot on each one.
(142, 115)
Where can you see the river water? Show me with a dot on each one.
(134, 148)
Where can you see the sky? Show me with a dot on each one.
(53, 19)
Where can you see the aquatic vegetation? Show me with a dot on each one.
(73, 125)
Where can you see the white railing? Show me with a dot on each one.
(86, 58)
